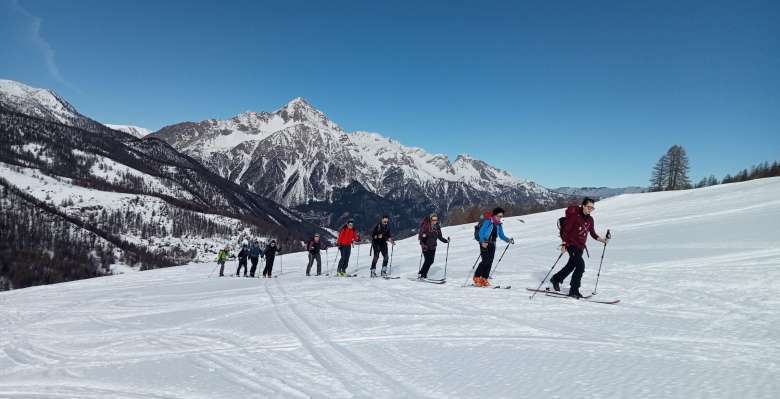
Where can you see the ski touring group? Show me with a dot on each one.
(574, 228)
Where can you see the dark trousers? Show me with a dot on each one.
(576, 264)
(312, 258)
(487, 254)
(345, 250)
(380, 248)
(428, 257)
(254, 260)
(241, 263)
(221, 267)
(269, 265)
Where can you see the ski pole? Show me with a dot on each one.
(357, 258)
(327, 262)
(212, 271)
(419, 268)
(545, 277)
(335, 261)
(609, 235)
(499, 261)
(472, 269)
(446, 256)
(391, 258)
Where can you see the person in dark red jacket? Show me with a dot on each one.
(347, 237)
(429, 235)
(574, 232)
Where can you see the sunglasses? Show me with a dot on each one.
(434, 220)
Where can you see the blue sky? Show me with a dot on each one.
(563, 93)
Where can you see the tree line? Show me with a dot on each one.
(671, 172)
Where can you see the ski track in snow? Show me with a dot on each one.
(697, 273)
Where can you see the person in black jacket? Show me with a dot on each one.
(314, 246)
(270, 254)
(430, 233)
(379, 238)
(242, 257)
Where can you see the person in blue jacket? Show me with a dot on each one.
(492, 229)
(255, 253)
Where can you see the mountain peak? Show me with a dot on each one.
(298, 110)
(36, 102)
(299, 101)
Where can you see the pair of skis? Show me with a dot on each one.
(336, 275)
(495, 287)
(429, 280)
(587, 298)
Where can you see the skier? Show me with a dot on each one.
(348, 236)
(254, 254)
(223, 256)
(574, 232)
(491, 229)
(270, 254)
(379, 238)
(242, 256)
(430, 232)
(314, 246)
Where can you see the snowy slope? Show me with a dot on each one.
(599, 192)
(136, 131)
(697, 272)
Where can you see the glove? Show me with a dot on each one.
(512, 241)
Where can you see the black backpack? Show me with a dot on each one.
(478, 226)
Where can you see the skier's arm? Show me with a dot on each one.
(442, 239)
(504, 237)
(593, 234)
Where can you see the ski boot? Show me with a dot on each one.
(575, 294)
(384, 272)
(373, 273)
(556, 285)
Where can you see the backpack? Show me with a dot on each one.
(425, 227)
(561, 224)
(485, 216)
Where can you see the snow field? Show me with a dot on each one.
(696, 271)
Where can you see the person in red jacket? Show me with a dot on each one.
(574, 232)
(348, 236)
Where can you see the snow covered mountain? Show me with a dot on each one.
(599, 192)
(135, 131)
(697, 319)
(104, 195)
(40, 103)
(298, 157)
